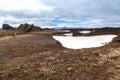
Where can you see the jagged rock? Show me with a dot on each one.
(27, 28)
(36, 28)
(7, 27)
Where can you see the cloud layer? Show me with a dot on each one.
(53, 13)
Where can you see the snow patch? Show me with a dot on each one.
(69, 34)
(85, 32)
(84, 42)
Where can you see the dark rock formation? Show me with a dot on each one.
(116, 39)
(27, 28)
(7, 27)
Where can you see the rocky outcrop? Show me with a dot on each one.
(7, 27)
(27, 28)
(116, 39)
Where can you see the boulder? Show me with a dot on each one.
(7, 27)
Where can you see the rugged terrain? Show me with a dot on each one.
(37, 56)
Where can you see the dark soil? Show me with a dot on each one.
(40, 57)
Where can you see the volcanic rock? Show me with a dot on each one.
(27, 28)
(7, 27)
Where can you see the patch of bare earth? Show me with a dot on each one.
(39, 57)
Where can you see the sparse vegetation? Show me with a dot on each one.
(37, 56)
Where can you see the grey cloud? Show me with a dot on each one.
(108, 11)
(23, 16)
(86, 6)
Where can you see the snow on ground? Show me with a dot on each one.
(68, 34)
(85, 32)
(84, 42)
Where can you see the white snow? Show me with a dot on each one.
(85, 32)
(84, 42)
(68, 34)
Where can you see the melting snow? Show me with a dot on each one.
(85, 32)
(68, 34)
(84, 42)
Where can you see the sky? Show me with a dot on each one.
(61, 13)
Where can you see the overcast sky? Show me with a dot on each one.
(60, 13)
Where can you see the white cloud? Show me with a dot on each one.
(23, 5)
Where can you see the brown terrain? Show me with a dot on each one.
(35, 55)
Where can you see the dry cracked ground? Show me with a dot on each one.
(40, 57)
